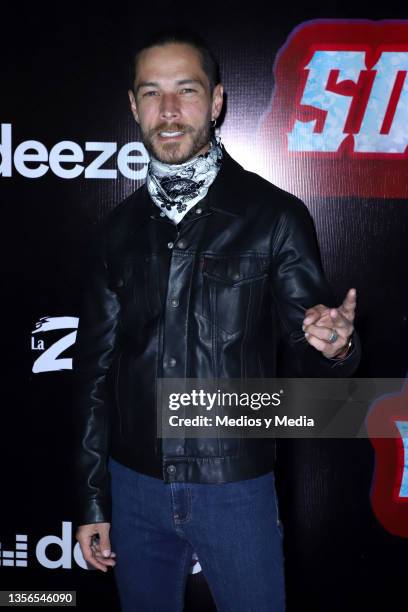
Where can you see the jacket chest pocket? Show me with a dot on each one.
(232, 292)
(136, 282)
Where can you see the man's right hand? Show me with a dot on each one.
(95, 545)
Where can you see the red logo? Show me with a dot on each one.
(338, 121)
(387, 427)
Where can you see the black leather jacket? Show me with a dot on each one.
(208, 298)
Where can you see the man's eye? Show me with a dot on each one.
(187, 90)
(149, 93)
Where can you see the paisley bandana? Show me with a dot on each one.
(175, 188)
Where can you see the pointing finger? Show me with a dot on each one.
(350, 301)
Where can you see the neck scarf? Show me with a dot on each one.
(176, 188)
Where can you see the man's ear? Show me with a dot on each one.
(133, 108)
(217, 101)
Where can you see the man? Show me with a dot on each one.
(196, 275)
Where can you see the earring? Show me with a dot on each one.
(213, 123)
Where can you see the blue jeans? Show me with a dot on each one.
(233, 527)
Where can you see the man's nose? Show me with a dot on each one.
(169, 108)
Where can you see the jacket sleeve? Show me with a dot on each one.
(298, 284)
(94, 352)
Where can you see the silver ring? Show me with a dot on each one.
(333, 336)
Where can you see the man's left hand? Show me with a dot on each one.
(322, 323)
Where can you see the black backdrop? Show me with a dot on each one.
(64, 77)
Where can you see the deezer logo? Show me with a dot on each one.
(32, 159)
(18, 557)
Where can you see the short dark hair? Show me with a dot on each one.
(185, 37)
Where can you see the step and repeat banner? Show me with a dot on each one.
(316, 102)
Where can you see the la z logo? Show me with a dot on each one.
(338, 119)
(50, 360)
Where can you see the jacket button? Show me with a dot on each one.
(172, 362)
(182, 244)
(119, 282)
(199, 211)
(170, 245)
(162, 214)
(171, 469)
(236, 276)
(174, 302)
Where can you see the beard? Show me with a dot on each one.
(194, 140)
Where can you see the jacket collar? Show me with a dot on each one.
(226, 194)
